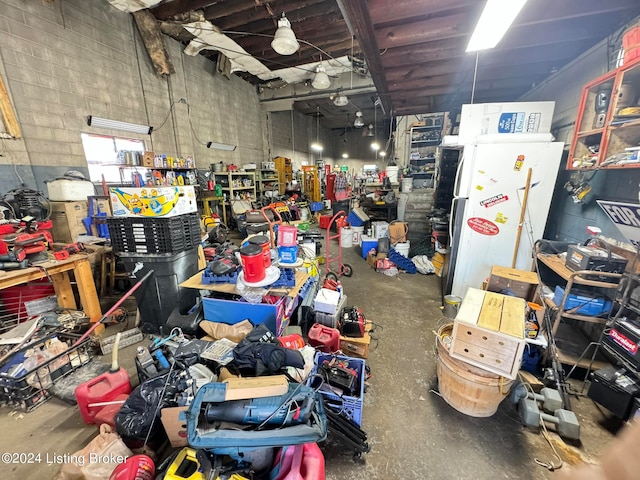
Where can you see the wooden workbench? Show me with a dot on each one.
(196, 282)
(58, 271)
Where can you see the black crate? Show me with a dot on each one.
(29, 389)
(154, 235)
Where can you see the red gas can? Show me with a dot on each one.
(138, 467)
(293, 341)
(299, 462)
(103, 388)
(326, 339)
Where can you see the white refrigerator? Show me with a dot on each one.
(487, 205)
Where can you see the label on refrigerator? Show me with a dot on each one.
(483, 226)
(519, 122)
(500, 218)
(519, 162)
(495, 200)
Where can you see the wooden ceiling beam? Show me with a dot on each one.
(357, 12)
(415, 33)
(152, 37)
(384, 11)
(295, 12)
(546, 11)
(167, 10)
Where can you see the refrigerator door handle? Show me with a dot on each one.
(456, 182)
(452, 219)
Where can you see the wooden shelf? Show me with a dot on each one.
(556, 263)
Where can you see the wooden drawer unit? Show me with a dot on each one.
(488, 332)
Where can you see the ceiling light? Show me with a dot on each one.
(341, 100)
(375, 146)
(316, 147)
(221, 146)
(345, 155)
(284, 42)
(358, 122)
(383, 153)
(321, 79)
(496, 18)
(370, 130)
(116, 125)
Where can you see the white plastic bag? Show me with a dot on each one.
(423, 264)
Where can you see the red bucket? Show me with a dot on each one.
(263, 242)
(252, 259)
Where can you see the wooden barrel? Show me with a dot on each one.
(469, 389)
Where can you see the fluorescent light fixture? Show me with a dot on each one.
(496, 18)
(321, 79)
(221, 146)
(284, 42)
(316, 147)
(358, 122)
(116, 125)
(375, 146)
(345, 155)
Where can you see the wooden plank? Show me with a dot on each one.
(471, 306)
(152, 38)
(491, 311)
(64, 292)
(87, 289)
(414, 33)
(513, 312)
(384, 11)
(196, 282)
(8, 113)
(18, 277)
(169, 9)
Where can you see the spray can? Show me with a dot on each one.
(531, 325)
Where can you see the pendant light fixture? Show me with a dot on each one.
(358, 122)
(340, 100)
(321, 79)
(284, 42)
(117, 125)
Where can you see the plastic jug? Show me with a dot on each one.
(103, 388)
(137, 467)
(326, 339)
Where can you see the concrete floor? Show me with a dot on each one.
(413, 433)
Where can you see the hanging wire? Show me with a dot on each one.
(475, 76)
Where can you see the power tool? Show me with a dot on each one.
(292, 408)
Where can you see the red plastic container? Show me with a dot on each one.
(103, 388)
(263, 242)
(287, 236)
(293, 341)
(325, 220)
(300, 462)
(137, 467)
(631, 43)
(252, 259)
(325, 339)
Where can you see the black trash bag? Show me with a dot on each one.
(261, 333)
(265, 358)
(188, 353)
(136, 415)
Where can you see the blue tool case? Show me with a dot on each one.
(202, 434)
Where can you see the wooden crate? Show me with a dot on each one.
(523, 283)
(488, 332)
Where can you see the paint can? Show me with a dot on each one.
(252, 258)
(451, 305)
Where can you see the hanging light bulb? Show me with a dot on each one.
(316, 146)
(375, 146)
(358, 122)
(345, 155)
(340, 100)
(370, 130)
(321, 79)
(382, 153)
(284, 42)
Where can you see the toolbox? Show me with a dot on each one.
(615, 389)
(623, 339)
(591, 257)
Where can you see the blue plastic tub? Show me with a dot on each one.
(352, 406)
(234, 311)
(288, 254)
(354, 220)
(590, 306)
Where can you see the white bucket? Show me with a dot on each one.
(392, 174)
(346, 237)
(309, 250)
(402, 248)
(357, 234)
(406, 185)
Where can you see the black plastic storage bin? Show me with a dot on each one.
(160, 294)
(154, 235)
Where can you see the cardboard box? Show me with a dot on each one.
(488, 332)
(521, 282)
(398, 232)
(153, 201)
(504, 119)
(438, 263)
(176, 429)
(67, 220)
(147, 159)
(380, 229)
(356, 347)
(326, 301)
(371, 259)
(256, 387)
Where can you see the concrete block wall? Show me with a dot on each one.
(68, 59)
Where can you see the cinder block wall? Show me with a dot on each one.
(68, 59)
